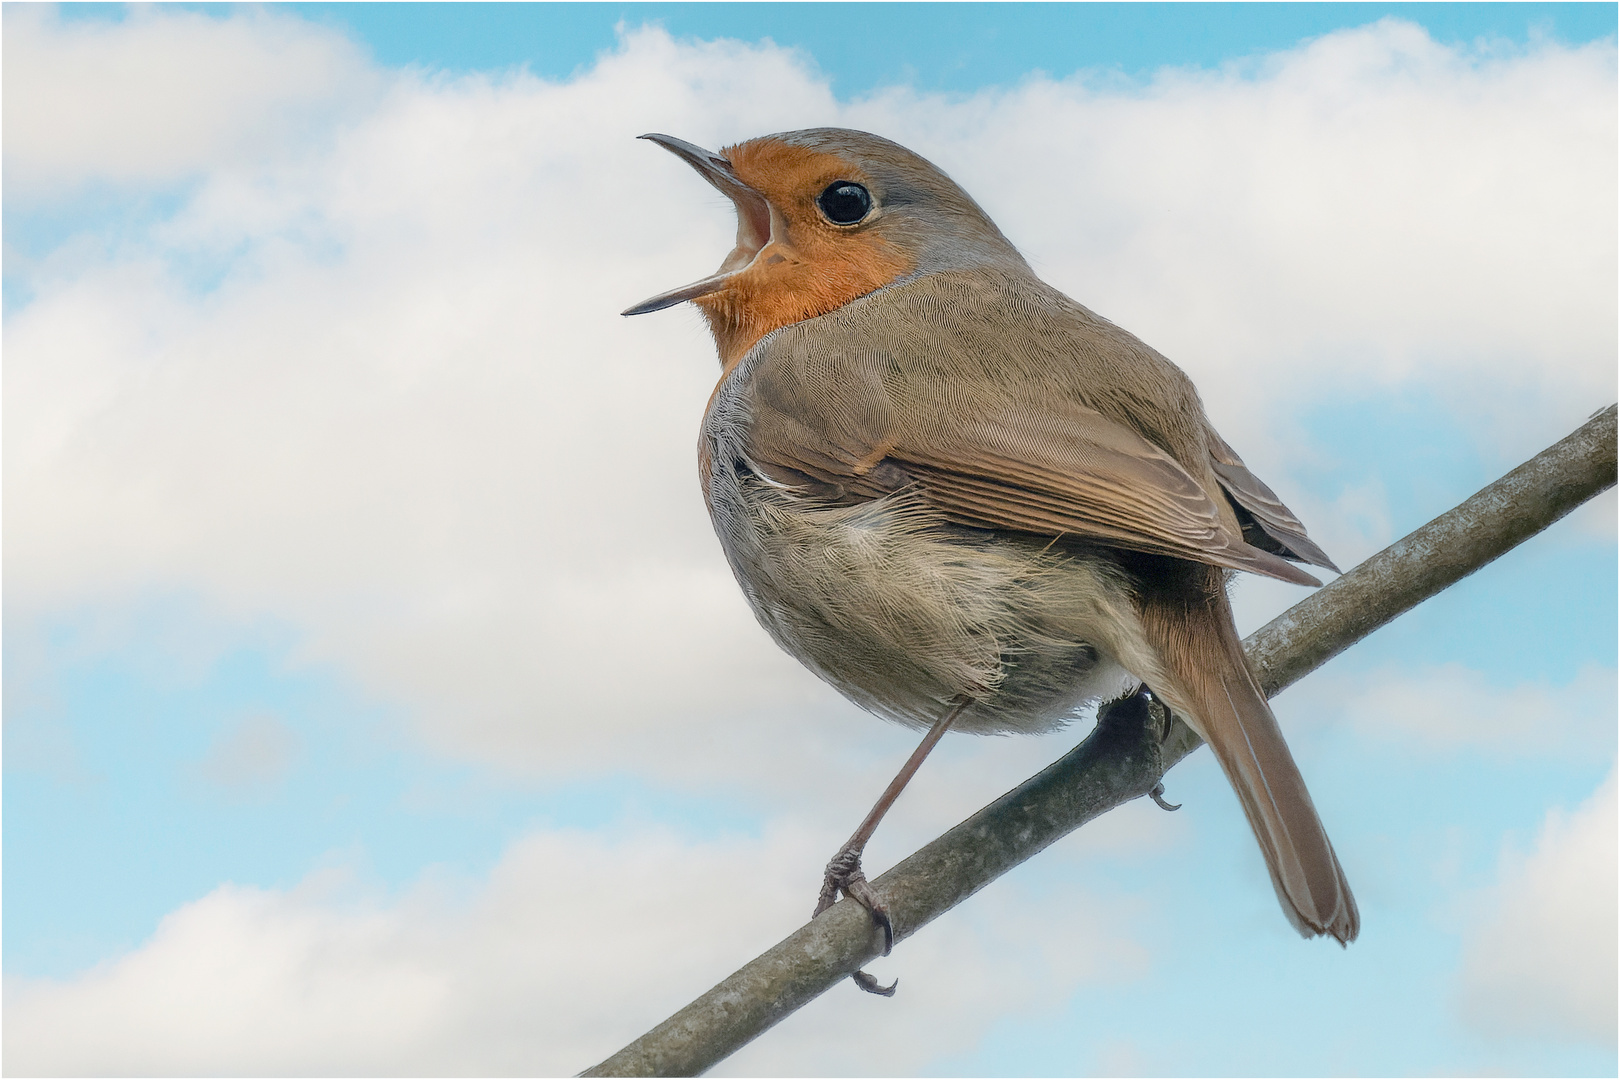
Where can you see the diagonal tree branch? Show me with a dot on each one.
(1122, 759)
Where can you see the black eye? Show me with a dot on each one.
(844, 202)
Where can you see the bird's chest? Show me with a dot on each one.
(899, 609)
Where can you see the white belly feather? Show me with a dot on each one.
(904, 612)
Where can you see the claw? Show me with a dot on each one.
(1157, 795)
(872, 986)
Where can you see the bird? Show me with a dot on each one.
(970, 503)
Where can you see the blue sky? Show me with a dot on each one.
(323, 642)
(960, 47)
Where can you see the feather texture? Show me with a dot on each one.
(1014, 423)
(1206, 680)
(965, 486)
(950, 490)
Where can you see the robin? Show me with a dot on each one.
(968, 502)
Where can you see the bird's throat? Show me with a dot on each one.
(790, 285)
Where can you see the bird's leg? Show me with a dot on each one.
(844, 871)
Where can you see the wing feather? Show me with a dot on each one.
(996, 430)
(1262, 510)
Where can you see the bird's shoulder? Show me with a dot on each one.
(1006, 404)
(942, 348)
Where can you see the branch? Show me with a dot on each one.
(1121, 760)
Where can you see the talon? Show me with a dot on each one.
(872, 986)
(1157, 795)
(1162, 717)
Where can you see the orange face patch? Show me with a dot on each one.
(810, 267)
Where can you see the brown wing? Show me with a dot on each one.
(1266, 522)
(1062, 469)
(983, 428)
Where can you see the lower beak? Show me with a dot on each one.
(753, 223)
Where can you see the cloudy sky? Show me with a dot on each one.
(378, 699)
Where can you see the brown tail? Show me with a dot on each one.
(1189, 624)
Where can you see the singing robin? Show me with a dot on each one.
(968, 502)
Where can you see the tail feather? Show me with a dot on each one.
(1212, 688)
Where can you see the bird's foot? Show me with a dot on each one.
(1142, 706)
(844, 875)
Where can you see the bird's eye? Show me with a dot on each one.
(845, 202)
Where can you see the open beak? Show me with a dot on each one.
(753, 223)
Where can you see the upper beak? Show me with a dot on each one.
(753, 222)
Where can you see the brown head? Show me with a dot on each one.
(825, 216)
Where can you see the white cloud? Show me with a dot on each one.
(570, 949)
(1367, 208)
(369, 382)
(1451, 707)
(410, 415)
(378, 388)
(163, 95)
(1541, 961)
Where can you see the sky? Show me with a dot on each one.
(378, 699)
